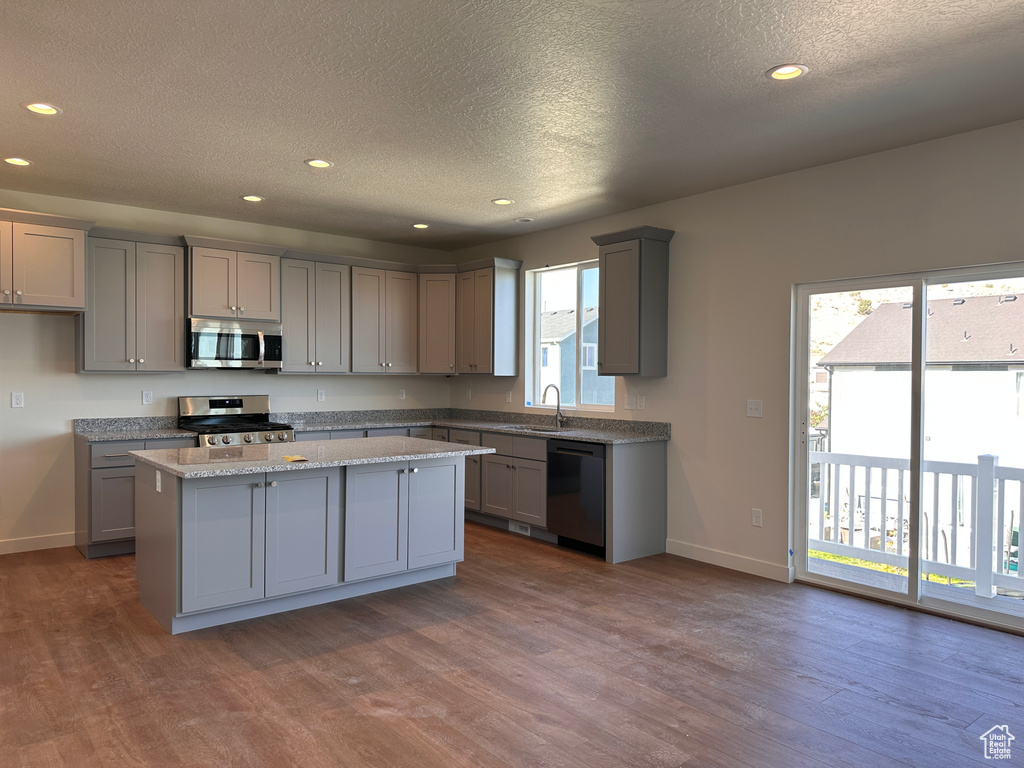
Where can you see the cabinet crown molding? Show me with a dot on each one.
(636, 233)
(44, 219)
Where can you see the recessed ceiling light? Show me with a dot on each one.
(252, 198)
(523, 220)
(502, 201)
(42, 109)
(16, 161)
(420, 226)
(786, 71)
(316, 163)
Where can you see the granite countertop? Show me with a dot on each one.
(127, 433)
(251, 459)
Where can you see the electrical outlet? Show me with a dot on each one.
(508, 397)
(321, 395)
(401, 394)
(755, 518)
(630, 402)
(639, 402)
(469, 394)
(17, 399)
(147, 397)
(754, 409)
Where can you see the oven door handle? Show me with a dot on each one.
(263, 347)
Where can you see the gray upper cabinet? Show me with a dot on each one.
(487, 320)
(303, 530)
(316, 316)
(41, 266)
(633, 322)
(437, 323)
(384, 321)
(235, 284)
(135, 318)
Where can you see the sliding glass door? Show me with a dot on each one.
(909, 462)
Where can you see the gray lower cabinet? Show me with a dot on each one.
(303, 537)
(223, 530)
(401, 516)
(135, 317)
(105, 493)
(376, 520)
(514, 480)
(424, 433)
(334, 434)
(473, 464)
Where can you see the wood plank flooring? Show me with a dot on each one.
(531, 656)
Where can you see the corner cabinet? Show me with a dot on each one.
(135, 314)
(487, 319)
(633, 322)
(384, 321)
(42, 264)
(316, 316)
(437, 322)
(235, 284)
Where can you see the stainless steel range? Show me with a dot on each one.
(234, 420)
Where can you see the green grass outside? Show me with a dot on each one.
(884, 568)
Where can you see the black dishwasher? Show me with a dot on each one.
(576, 494)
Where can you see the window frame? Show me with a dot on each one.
(534, 357)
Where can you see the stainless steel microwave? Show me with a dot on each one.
(234, 344)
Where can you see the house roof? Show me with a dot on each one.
(555, 326)
(430, 109)
(982, 330)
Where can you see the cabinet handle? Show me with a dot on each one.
(131, 359)
(7, 291)
(273, 483)
(405, 471)
(311, 362)
(18, 292)
(241, 310)
(508, 466)
(259, 485)
(451, 365)
(382, 365)
(142, 359)
(113, 455)
(320, 363)
(389, 365)
(234, 308)
(415, 470)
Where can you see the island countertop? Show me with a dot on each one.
(252, 459)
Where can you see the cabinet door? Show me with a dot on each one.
(109, 324)
(214, 282)
(303, 536)
(160, 307)
(298, 315)
(367, 320)
(333, 318)
(436, 518)
(437, 323)
(483, 320)
(223, 533)
(400, 322)
(473, 483)
(465, 322)
(376, 520)
(531, 478)
(6, 264)
(259, 286)
(49, 266)
(618, 334)
(497, 485)
(113, 504)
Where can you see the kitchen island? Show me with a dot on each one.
(225, 534)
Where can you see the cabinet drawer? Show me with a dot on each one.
(115, 454)
(463, 436)
(502, 444)
(388, 432)
(347, 434)
(535, 448)
(320, 435)
(164, 443)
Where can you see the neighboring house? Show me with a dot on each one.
(973, 382)
(558, 356)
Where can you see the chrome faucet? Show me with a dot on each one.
(559, 416)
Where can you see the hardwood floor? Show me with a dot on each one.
(531, 656)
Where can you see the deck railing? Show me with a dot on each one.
(963, 504)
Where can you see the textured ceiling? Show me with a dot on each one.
(429, 109)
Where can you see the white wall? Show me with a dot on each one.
(37, 357)
(735, 257)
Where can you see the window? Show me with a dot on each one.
(564, 343)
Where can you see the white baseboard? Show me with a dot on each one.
(733, 562)
(32, 543)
